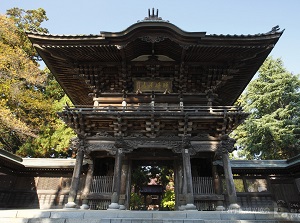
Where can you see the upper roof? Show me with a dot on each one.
(222, 63)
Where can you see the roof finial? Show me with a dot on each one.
(152, 16)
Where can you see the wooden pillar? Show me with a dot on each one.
(227, 145)
(178, 178)
(87, 186)
(128, 185)
(188, 179)
(116, 181)
(217, 187)
(124, 176)
(231, 192)
(76, 177)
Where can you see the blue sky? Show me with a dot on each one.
(211, 16)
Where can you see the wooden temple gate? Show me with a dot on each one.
(153, 87)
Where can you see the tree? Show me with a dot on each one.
(29, 96)
(20, 79)
(273, 100)
(28, 20)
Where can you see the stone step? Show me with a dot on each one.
(92, 216)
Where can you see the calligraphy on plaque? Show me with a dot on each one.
(153, 85)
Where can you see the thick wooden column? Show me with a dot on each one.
(227, 146)
(124, 176)
(217, 187)
(128, 185)
(188, 178)
(76, 176)
(116, 181)
(178, 180)
(87, 186)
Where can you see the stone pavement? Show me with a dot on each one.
(93, 216)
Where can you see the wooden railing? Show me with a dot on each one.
(102, 184)
(203, 185)
(155, 108)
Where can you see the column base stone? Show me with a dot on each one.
(84, 207)
(220, 208)
(122, 207)
(70, 205)
(234, 206)
(190, 207)
(113, 206)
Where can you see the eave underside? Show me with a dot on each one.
(224, 65)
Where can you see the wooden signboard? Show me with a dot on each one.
(152, 85)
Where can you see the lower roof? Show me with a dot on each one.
(12, 164)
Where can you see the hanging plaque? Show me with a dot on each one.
(153, 85)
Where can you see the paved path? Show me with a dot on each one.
(93, 216)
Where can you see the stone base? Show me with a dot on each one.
(113, 206)
(84, 207)
(220, 208)
(93, 216)
(122, 207)
(234, 207)
(70, 205)
(190, 207)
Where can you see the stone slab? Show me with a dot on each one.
(33, 214)
(204, 215)
(100, 214)
(169, 214)
(135, 214)
(46, 220)
(238, 216)
(67, 214)
(74, 220)
(142, 221)
(13, 220)
(173, 221)
(193, 221)
(8, 213)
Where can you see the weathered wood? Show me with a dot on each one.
(99, 196)
(211, 197)
(203, 185)
(75, 179)
(102, 184)
(231, 192)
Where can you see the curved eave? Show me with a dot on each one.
(60, 53)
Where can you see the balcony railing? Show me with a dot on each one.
(155, 108)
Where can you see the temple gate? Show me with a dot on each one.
(154, 92)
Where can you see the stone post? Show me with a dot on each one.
(76, 176)
(217, 187)
(227, 146)
(87, 186)
(188, 177)
(116, 181)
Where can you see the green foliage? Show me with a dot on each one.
(168, 200)
(273, 101)
(136, 201)
(29, 97)
(28, 20)
(22, 104)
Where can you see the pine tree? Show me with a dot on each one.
(273, 126)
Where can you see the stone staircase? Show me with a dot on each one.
(92, 216)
